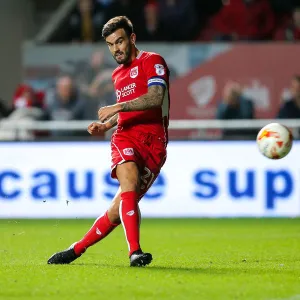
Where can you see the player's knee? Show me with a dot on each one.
(131, 186)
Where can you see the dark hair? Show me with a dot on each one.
(120, 22)
(296, 77)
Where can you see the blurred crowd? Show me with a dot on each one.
(78, 98)
(85, 86)
(76, 94)
(205, 20)
(235, 105)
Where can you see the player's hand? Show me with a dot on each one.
(106, 112)
(97, 129)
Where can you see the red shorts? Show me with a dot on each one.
(148, 151)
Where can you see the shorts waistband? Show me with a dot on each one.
(146, 137)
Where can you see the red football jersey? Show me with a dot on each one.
(132, 81)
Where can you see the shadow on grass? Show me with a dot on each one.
(223, 270)
(209, 270)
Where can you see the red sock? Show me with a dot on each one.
(129, 214)
(100, 229)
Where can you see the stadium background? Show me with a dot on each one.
(201, 67)
(50, 167)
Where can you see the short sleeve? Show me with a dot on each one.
(156, 71)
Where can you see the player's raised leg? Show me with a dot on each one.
(129, 178)
(103, 226)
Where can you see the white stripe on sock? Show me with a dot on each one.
(140, 216)
(120, 213)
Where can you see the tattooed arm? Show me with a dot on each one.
(112, 122)
(152, 99)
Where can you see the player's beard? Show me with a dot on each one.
(126, 56)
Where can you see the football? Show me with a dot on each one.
(274, 141)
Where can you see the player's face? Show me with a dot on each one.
(121, 46)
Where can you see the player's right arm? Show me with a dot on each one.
(98, 129)
(113, 121)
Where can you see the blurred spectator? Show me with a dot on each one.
(291, 30)
(27, 106)
(235, 105)
(283, 6)
(291, 108)
(133, 9)
(4, 109)
(94, 82)
(105, 2)
(178, 19)
(244, 20)
(85, 24)
(152, 32)
(65, 103)
(26, 96)
(154, 20)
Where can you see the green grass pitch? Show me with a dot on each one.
(193, 259)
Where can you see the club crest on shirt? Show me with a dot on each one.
(128, 151)
(160, 69)
(134, 72)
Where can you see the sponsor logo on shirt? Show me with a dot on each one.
(125, 91)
